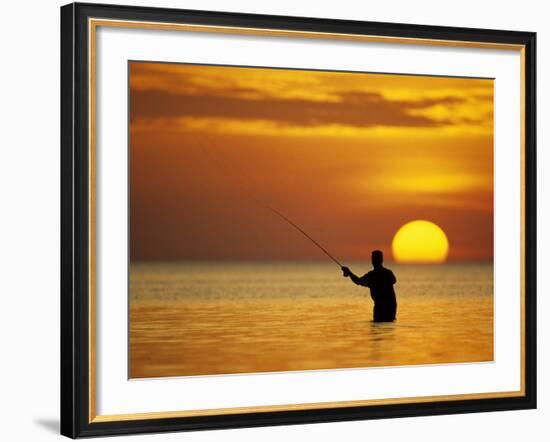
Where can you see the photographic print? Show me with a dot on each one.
(284, 219)
(272, 220)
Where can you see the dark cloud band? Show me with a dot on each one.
(359, 109)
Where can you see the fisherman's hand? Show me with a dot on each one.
(346, 271)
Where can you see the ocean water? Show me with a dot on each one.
(221, 318)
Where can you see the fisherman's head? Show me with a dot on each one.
(377, 258)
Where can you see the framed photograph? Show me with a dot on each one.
(274, 220)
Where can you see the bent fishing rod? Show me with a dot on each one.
(303, 232)
(268, 207)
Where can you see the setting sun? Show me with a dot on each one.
(420, 242)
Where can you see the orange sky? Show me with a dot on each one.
(350, 157)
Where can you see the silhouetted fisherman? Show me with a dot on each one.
(380, 281)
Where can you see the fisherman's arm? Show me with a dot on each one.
(355, 279)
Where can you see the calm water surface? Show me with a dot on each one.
(214, 318)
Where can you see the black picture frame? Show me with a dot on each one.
(75, 220)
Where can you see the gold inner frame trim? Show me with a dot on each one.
(93, 24)
(301, 34)
(311, 406)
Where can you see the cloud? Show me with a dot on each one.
(358, 109)
(301, 101)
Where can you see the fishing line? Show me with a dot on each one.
(239, 178)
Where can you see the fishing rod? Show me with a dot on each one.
(267, 207)
(304, 233)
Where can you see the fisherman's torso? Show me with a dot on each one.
(380, 282)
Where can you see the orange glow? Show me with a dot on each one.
(350, 157)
